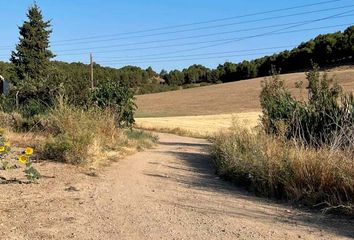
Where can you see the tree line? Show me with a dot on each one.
(326, 50)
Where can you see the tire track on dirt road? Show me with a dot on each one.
(171, 192)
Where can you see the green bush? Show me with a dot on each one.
(277, 104)
(7, 104)
(33, 107)
(118, 97)
(325, 118)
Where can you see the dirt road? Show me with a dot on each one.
(169, 192)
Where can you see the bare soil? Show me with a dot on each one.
(169, 192)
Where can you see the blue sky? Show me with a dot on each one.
(101, 27)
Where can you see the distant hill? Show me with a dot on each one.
(235, 97)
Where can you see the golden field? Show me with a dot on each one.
(198, 126)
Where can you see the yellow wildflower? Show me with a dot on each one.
(7, 144)
(2, 131)
(29, 151)
(2, 149)
(23, 159)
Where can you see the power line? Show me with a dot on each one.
(203, 22)
(163, 59)
(202, 54)
(205, 54)
(186, 59)
(248, 37)
(151, 56)
(198, 23)
(223, 41)
(192, 37)
(208, 27)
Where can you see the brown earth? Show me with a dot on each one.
(169, 192)
(235, 97)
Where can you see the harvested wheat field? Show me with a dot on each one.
(203, 111)
(199, 126)
(235, 97)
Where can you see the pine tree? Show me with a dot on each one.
(32, 56)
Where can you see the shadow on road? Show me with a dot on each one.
(194, 169)
(202, 145)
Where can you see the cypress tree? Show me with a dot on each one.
(32, 56)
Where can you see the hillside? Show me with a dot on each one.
(234, 97)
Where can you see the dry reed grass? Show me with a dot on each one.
(274, 167)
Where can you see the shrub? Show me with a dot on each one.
(33, 107)
(7, 104)
(277, 104)
(118, 97)
(326, 118)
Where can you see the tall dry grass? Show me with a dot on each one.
(274, 167)
(88, 136)
(78, 136)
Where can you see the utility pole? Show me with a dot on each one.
(91, 70)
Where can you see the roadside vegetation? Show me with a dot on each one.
(86, 137)
(302, 151)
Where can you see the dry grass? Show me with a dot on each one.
(79, 136)
(319, 178)
(235, 97)
(197, 126)
(24, 139)
(88, 136)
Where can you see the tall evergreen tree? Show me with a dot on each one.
(32, 56)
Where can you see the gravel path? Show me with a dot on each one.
(169, 192)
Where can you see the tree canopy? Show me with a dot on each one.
(31, 59)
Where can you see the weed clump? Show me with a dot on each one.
(77, 136)
(86, 136)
